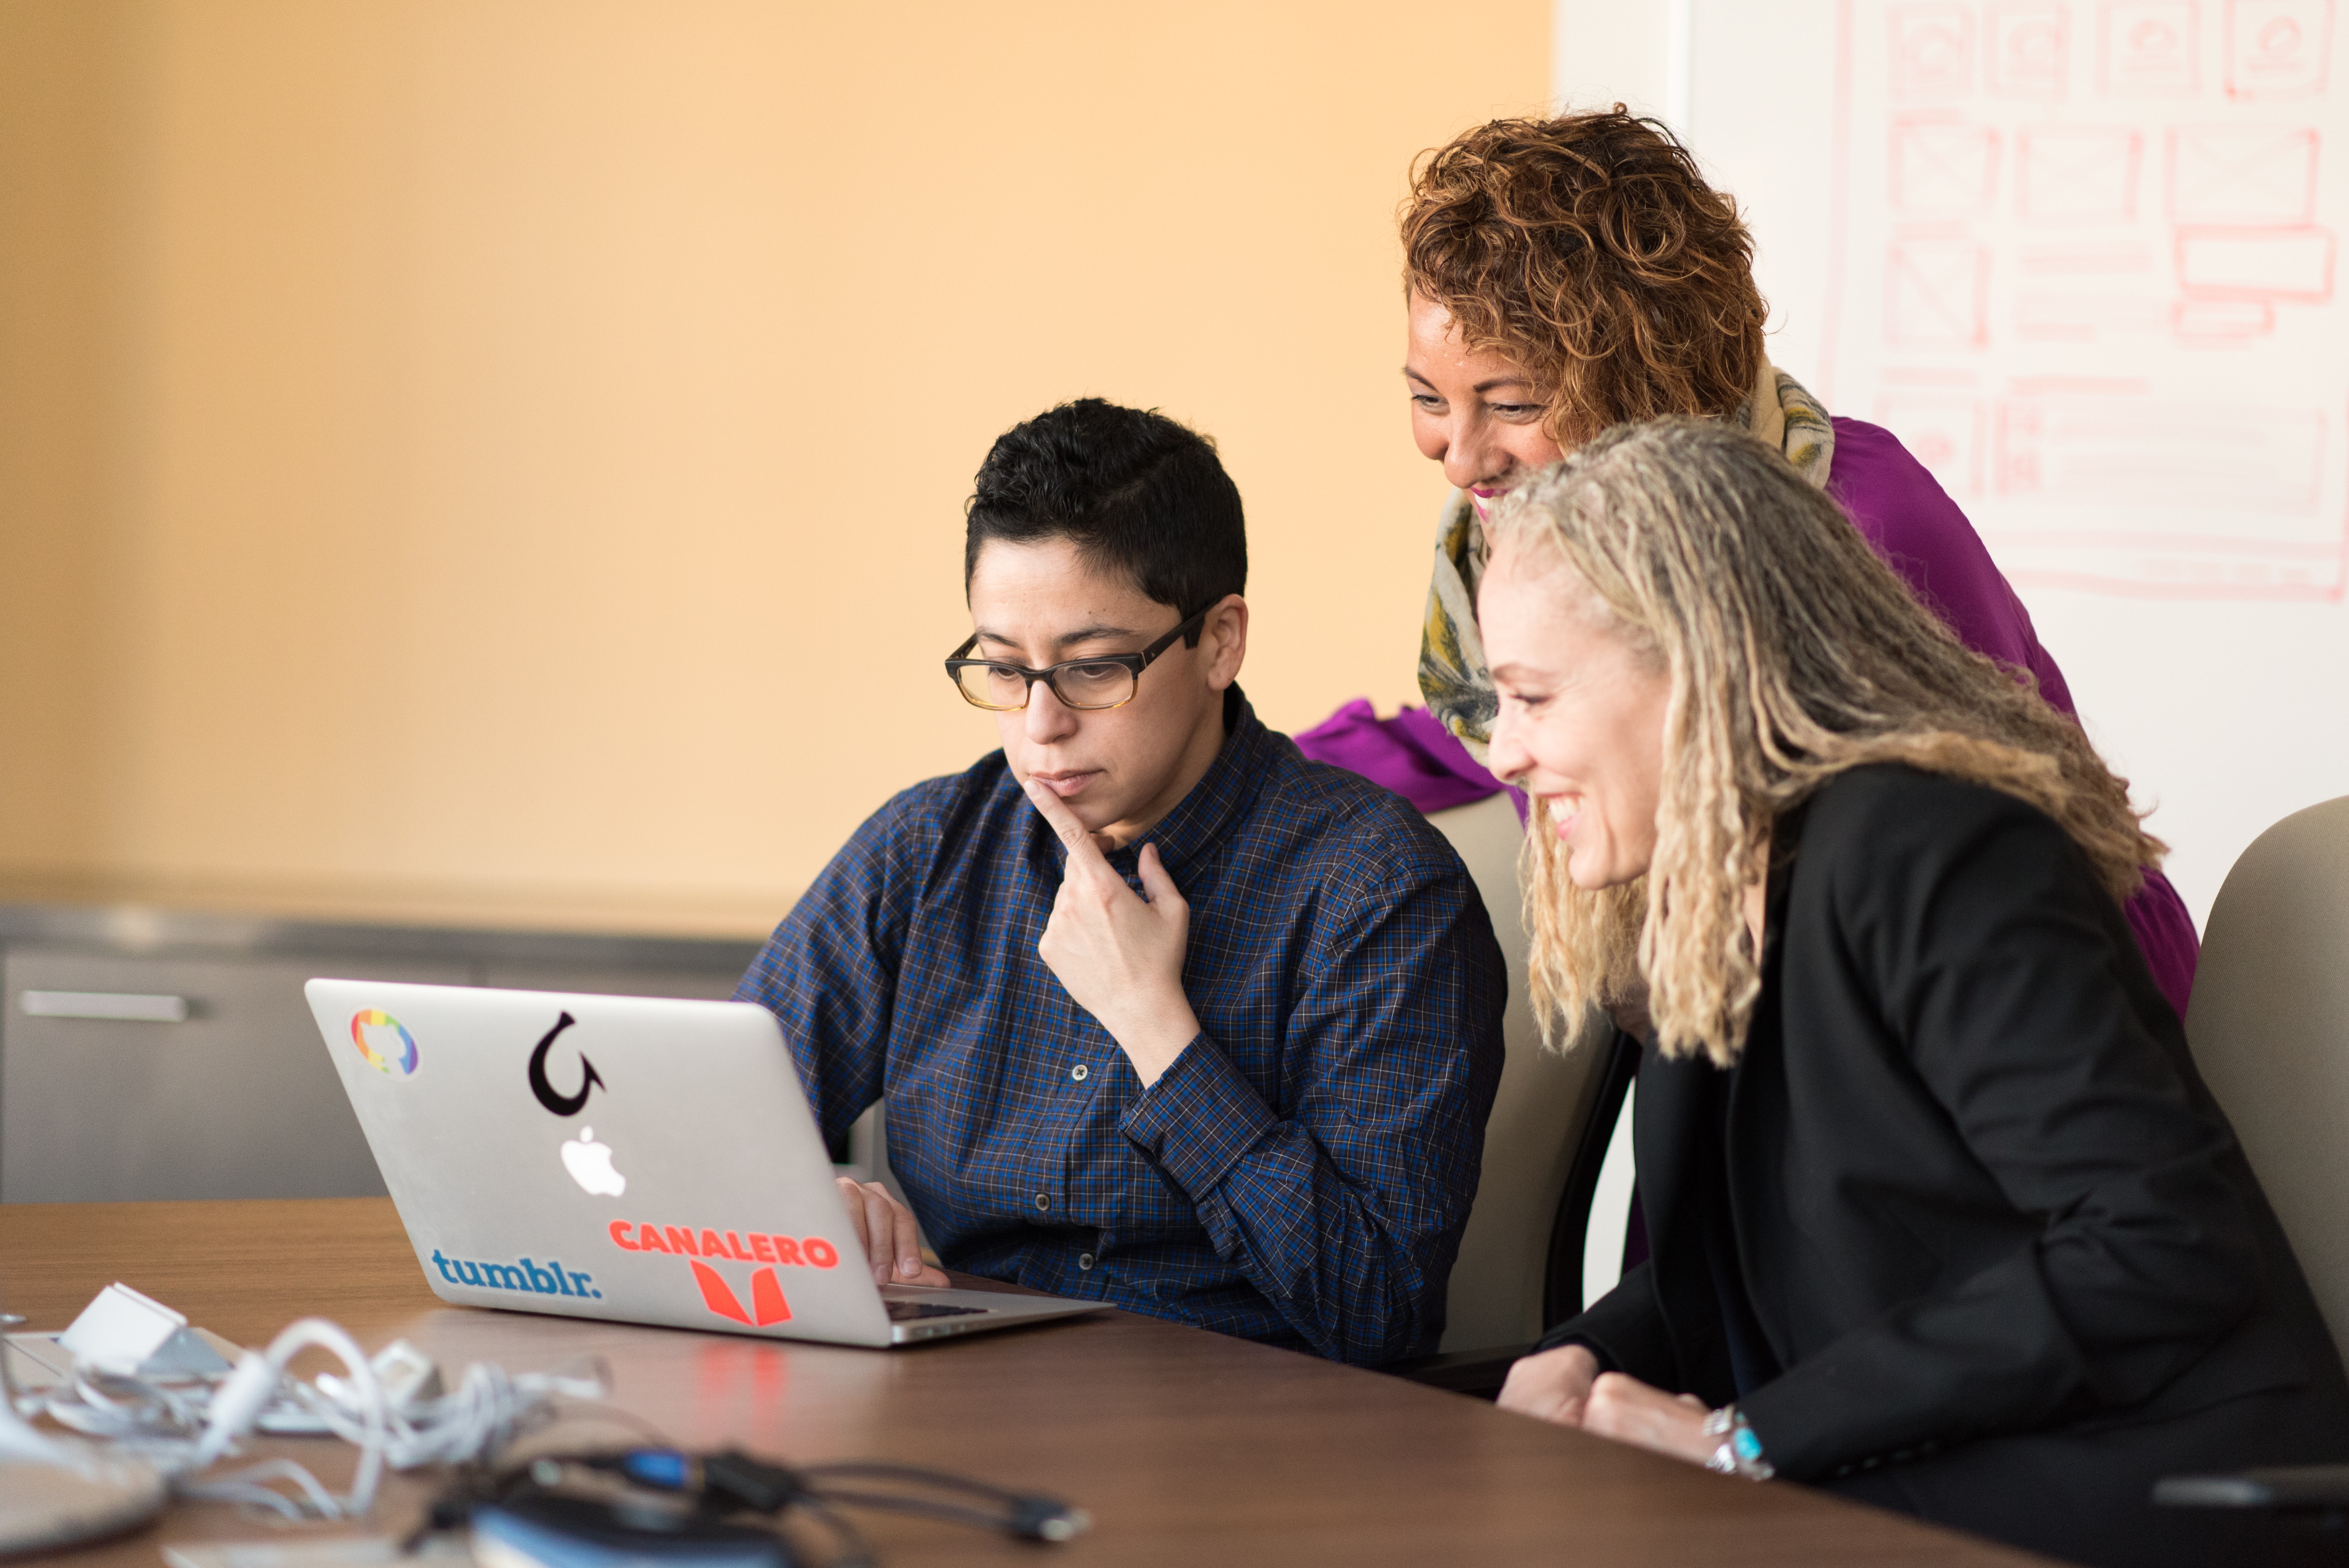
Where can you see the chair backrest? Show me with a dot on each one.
(2269, 1024)
(1538, 1118)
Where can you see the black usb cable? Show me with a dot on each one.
(662, 1501)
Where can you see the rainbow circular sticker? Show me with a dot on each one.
(368, 1018)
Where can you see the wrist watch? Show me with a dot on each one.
(1740, 1453)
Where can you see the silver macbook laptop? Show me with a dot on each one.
(620, 1157)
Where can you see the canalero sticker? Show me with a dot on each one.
(768, 1303)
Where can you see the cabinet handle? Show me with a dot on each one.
(114, 1006)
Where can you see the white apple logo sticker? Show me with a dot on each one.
(590, 1164)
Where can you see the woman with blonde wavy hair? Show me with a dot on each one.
(1942, 1216)
(1565, 274)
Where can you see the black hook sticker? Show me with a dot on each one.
(546, 1090)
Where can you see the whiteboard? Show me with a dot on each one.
(2084, 257)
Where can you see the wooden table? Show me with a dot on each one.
(1186, 1446)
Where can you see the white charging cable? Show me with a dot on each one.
(488, 1409)
(389, 1407)
(256, 1385)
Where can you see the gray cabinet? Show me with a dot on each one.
(236, 1101)
(167, 1056)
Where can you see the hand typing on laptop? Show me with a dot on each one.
(893, 1242)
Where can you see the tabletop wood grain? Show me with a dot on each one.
(1186, 1446)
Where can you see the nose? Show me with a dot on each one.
(1047, 719)
(1469, 458)
(1505, 754)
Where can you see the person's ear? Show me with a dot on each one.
(1223, 638)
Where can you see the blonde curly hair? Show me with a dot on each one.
(1791, 655)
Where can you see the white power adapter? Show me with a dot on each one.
(129, 1333)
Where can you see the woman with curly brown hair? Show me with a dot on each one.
(1565, 275)
(1943, 1217)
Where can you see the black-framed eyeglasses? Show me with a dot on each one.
(1105, 680)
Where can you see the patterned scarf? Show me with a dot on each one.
(1451, 672)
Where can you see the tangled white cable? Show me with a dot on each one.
(183, 1430)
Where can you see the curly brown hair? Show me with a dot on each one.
(1589, 250)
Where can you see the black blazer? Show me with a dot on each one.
(1976, 1187)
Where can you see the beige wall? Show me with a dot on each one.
(506, 455)
(60, 127)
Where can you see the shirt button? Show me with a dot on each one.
(1080, 1072)
(1043, 1202)
(1085, 1260)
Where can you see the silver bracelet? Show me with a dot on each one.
(1740, 1453)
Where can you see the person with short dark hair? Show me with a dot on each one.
(1164, 1015)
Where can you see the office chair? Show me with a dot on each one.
(2269, 1026)
(1520, 1265)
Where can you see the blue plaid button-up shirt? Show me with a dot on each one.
(1300, 1174)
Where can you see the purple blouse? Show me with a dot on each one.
(1910, 521)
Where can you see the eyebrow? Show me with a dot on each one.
(1481, 387)
(1081, 635)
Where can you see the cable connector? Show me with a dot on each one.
(666, 1470)
(1045, 1519)
(406, 1376)
(236, 1404)
(750, 1483)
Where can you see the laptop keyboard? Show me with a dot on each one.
(907, 1311)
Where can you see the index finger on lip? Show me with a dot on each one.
(1065, 823)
